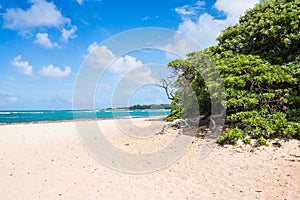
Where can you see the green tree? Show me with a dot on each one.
(259, 64)
(262, 99)
(199, 86)
(271, 30)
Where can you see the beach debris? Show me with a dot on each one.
(184, 123)
(277, 144)
(293, 158)
(198, 126)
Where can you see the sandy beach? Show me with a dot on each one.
(49, 161)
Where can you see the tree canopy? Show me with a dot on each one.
(270, 30)
(258, 60)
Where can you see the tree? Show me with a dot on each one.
(262, 99)
(271, 30)
(195, 76)
(259, 64)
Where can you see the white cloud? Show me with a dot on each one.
(190, 10)
(146, 18)
(234, 8)
(80, 1)
(125, 64)
(184, 10)
(200, 4)
(93, 47)
(180, 46)
(41, 13)
(126, 69)
(43, 40)
(204, 31)
(101, 57)
(129, 84)
(67, 34)
(207, 28)
(55, 72)
(23, 66)
(140, 75)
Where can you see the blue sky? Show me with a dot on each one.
(43, 44)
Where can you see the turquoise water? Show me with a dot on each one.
(58, 115)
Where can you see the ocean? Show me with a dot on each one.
(8, 117)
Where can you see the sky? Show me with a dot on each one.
(45, 44)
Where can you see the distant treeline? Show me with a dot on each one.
(143, 107)
(152, 106)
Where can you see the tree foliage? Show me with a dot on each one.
(271, 30)
(260, 97)
(258, 61)
(198, 83)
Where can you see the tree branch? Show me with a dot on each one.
(165, 85)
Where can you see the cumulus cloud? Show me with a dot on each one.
(234, 8)
(180, 46)
(41, 13)
(126, 69)
(207, 28)
(43, 40)
(23, 66)
(141, 75)
(125, 64)
(204, 31)
(130, 83)
(101, 57)
(55, 72)
(93, 47)
(67, 34)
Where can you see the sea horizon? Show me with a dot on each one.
(28, 116)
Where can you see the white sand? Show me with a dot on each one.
(48, 161)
